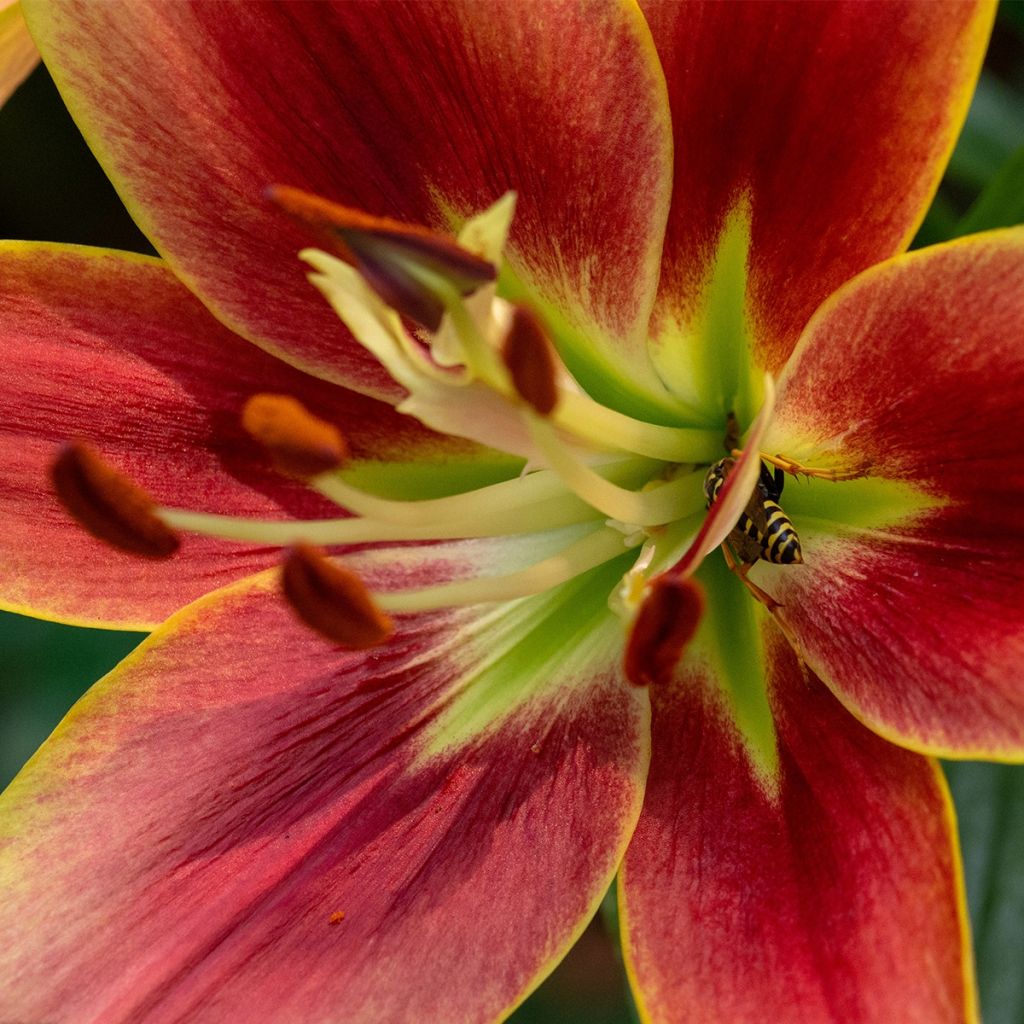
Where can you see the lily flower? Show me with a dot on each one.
(567, 258)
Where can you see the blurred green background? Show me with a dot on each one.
(51, 189)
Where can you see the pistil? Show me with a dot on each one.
(535, 502)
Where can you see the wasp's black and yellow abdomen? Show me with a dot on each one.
(763, 531)
(779, 542)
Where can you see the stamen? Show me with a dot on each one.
(591, 551)
(489, 501)
(374, 325)
(530, 359)
(444, 399)
(111, 507)
(580, 415)
(332, 600)
(665, 624)
(661, 503)
(533, 503)
(533, 366)
(551, 513)
(299, 443)
(387, 253)
(478, 356)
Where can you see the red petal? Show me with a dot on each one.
(422, 112)
(112, 349)
(829, 892)
(244, 823)
(916, 369)
(836, 117)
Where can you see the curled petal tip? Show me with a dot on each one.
(108, 505)
(332, 600)
(401, 262)
(665, 624)
(530, 359)
(300, 444)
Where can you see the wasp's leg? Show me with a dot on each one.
(741, 571)
(774, 607)
(791, 466)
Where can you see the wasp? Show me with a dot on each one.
(763, 531)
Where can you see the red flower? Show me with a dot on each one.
(243, 822)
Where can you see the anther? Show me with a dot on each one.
(299, 443)
(530, 360)
(398, 261)
(332, 600)
(665, 624)
(108, 505)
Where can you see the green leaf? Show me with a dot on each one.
(589, 986)
(1011, 16)
(990, 803)
(940, 222)
(988, 156)
(995, 123)
(1001, 203)
(44, 668)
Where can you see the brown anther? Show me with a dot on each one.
(109, 505)
(531, 362)
(332, 600)
(299, 443)
(383, 250)
(665, 624)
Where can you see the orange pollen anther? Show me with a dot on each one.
(332, 600)
(530, 359)
(109, 505)
(665, 624)
(300, 444)
(386, 252)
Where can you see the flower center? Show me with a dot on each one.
(597, 484)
